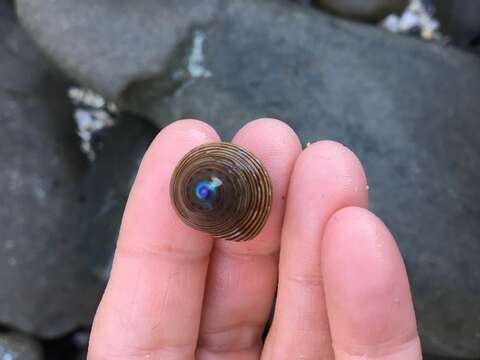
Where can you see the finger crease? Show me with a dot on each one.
(167, 252)
(238, 337)
(391, 346)
(246, 256)
(305, 279)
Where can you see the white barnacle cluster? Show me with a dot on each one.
(415, 18)
(92, 113)
(195, 66)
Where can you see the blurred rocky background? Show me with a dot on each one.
(86, 85)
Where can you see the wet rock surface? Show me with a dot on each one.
(107, 184)
(460, 20)
(44, 288)
(408, 109)
(83, 356)
(369, 10)
(106, 44)
(72, 346)
(14, 346)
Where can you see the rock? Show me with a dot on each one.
(14, 346)
(366, 10)
(460, 20)
(83, 356)
(103, 44)
(409, 109)
(44, 288)
(106, 186)
(72, 346)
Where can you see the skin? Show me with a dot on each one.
(175, 293)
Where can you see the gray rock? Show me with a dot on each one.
(409, 109)
(102, 44)
(460, 20)
(105, 188)
(44, 288)
(83, 356)
(15, 346)
(367, 10)
(81, 339)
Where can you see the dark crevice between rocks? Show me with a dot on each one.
(104, 190)
(474, 45)
(67, 347)
(303, 2)
(372, 14)
(65, 131)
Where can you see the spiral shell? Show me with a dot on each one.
(222, 189)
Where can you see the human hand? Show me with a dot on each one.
(175, 293)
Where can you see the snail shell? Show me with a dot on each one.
(222, 189)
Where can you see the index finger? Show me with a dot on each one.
(152, 304)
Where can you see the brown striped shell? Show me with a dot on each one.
(222, 189)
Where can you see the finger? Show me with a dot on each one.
(366, 288)
(152, 304)
(327, 177)
(242, 276)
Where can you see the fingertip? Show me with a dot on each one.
(185, 132)
(268, 132)
(331, 177)
(277, 146)
(367, 292)
(195, 128)
(356, 236)
(348, 167)
(149, 199)
(168, 147)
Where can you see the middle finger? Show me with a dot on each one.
(242, 276)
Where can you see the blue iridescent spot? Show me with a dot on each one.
(203, 189)
(206, 191)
